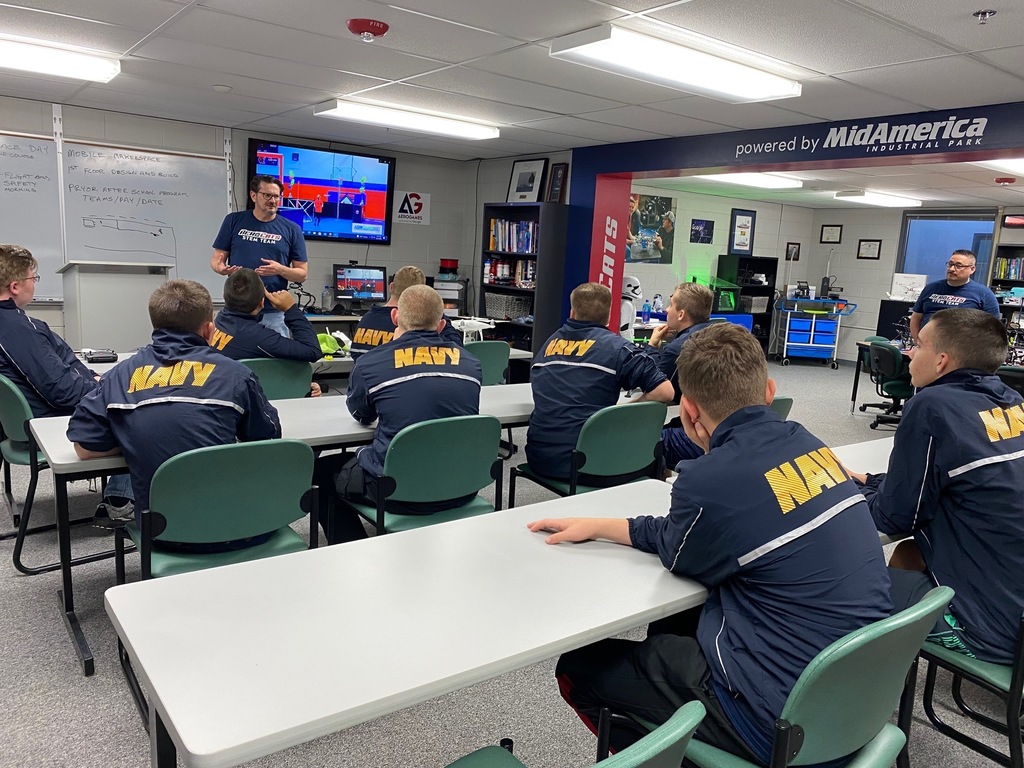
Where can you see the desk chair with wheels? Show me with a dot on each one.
(1012, 376)
(281, 379)
(865, 361)
(842, 702)
(661, 748)
(248, 490)
(782, 405)
(892, 380)
(619, 444)
(412, 473)
(493, 357)
(1005, 681)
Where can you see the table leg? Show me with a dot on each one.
(856, 381)
(163, 753)
(66, 594)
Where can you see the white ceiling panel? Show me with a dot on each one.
(39, 88)
(832, 99)
(964, 82)
(654, 121)
(522, 20)
(574, 126)
(124, 13)
(952, 20)
(188, 111)
(66, 30)
(808, 33)
(303, 124)
(347, 54)
(409, 32)
(437, 100)
(513, 91)
(736, 116)
(529, 135)
(1010, 59)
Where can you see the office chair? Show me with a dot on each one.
(411, 473)
(618, 444)
(493, 357)
(865, 359)
(892, 380)
(281, 379)
(1012, 376)
(782, 405)
(661, 748)
(843, 700)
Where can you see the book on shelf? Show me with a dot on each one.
(513, 236)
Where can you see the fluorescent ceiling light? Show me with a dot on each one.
(420, 122)
(624, 52)
(1009, 165)
(760, 180)
(38, 56)
(867, 197)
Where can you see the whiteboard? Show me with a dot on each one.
(30, 206)
(134, 205)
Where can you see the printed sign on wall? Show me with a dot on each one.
(412, 207)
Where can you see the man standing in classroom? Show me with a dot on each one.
(261, 240)
(956, 291)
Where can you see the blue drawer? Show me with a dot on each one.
(825, 338)
(816, 352)
(799, 325)
(825, 326)
(799, 338)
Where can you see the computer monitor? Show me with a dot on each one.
(359, 286)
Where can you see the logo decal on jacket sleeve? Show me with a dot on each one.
(1003, 423)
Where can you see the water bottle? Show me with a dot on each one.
(645, 312)
(327, 299)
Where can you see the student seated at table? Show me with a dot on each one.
(377, 326)
(239, 334)
(416, 377)
(581, 369)
(43, 366)
(770, 523)
(955, 479)
(688, 311)
(172, 396)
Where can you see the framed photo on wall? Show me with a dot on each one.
(831, 233)
(869, 249)
(792, 251)
(741, 232)
(556, 183)
(527, 180)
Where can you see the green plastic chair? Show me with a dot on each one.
(234, 502)
(493, 357)
(1012, 376)
(865, 359)
(782, 405)
(661, 748)
(620, 440)
(843, 700)
(412, 474)
(892, 380)
(1006, 681)
(281, 379)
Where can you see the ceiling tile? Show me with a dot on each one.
(655, 121)
(79, 32)
(719, 113)
(37, 86)
(489, 110)
(832, 99)
(1010, 59)
(155, 107)
(952, 21)
(574, 126)
(125, 13)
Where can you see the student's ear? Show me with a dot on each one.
(206, 330)
(690, 407)
(394, 316)
(441, 325)
(769, 391)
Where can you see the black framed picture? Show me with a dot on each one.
(831, 233)
(556, 183)
(869, 249)
(792, 251)
(741, 232)
(526, 181)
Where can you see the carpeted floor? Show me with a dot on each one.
(53, 716)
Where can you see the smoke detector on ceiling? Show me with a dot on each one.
(370, 29)
(1005, 181)
(983, 16)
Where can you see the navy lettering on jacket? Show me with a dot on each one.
(240, 335)
(375, 328)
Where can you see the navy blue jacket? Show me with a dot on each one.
(956, 480)
(942, 295)
(240, 335)
(248, 241)
(668, 354)
(415, 378)
(583, 368)
(172, 396)
(41, 364)
(770, 523)
(375, 328)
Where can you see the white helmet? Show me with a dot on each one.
(631, 288)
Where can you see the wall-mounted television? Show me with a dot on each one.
(330, 194)
(356, 285)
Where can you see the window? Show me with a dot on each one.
(929, 238)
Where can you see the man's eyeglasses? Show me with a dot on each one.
(268, 196)
(33, 278)
(958, 266)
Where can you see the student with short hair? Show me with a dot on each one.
(955, 482)
(581, 369)
(770, 523)
(42, 365)
(172, 396)
(377, 326)
(418, 376)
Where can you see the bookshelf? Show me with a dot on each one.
(522, 270)
(1008, 266)
(741, 270)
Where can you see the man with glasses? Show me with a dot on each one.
(261, 240)
(957, 291)
(42, 365)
